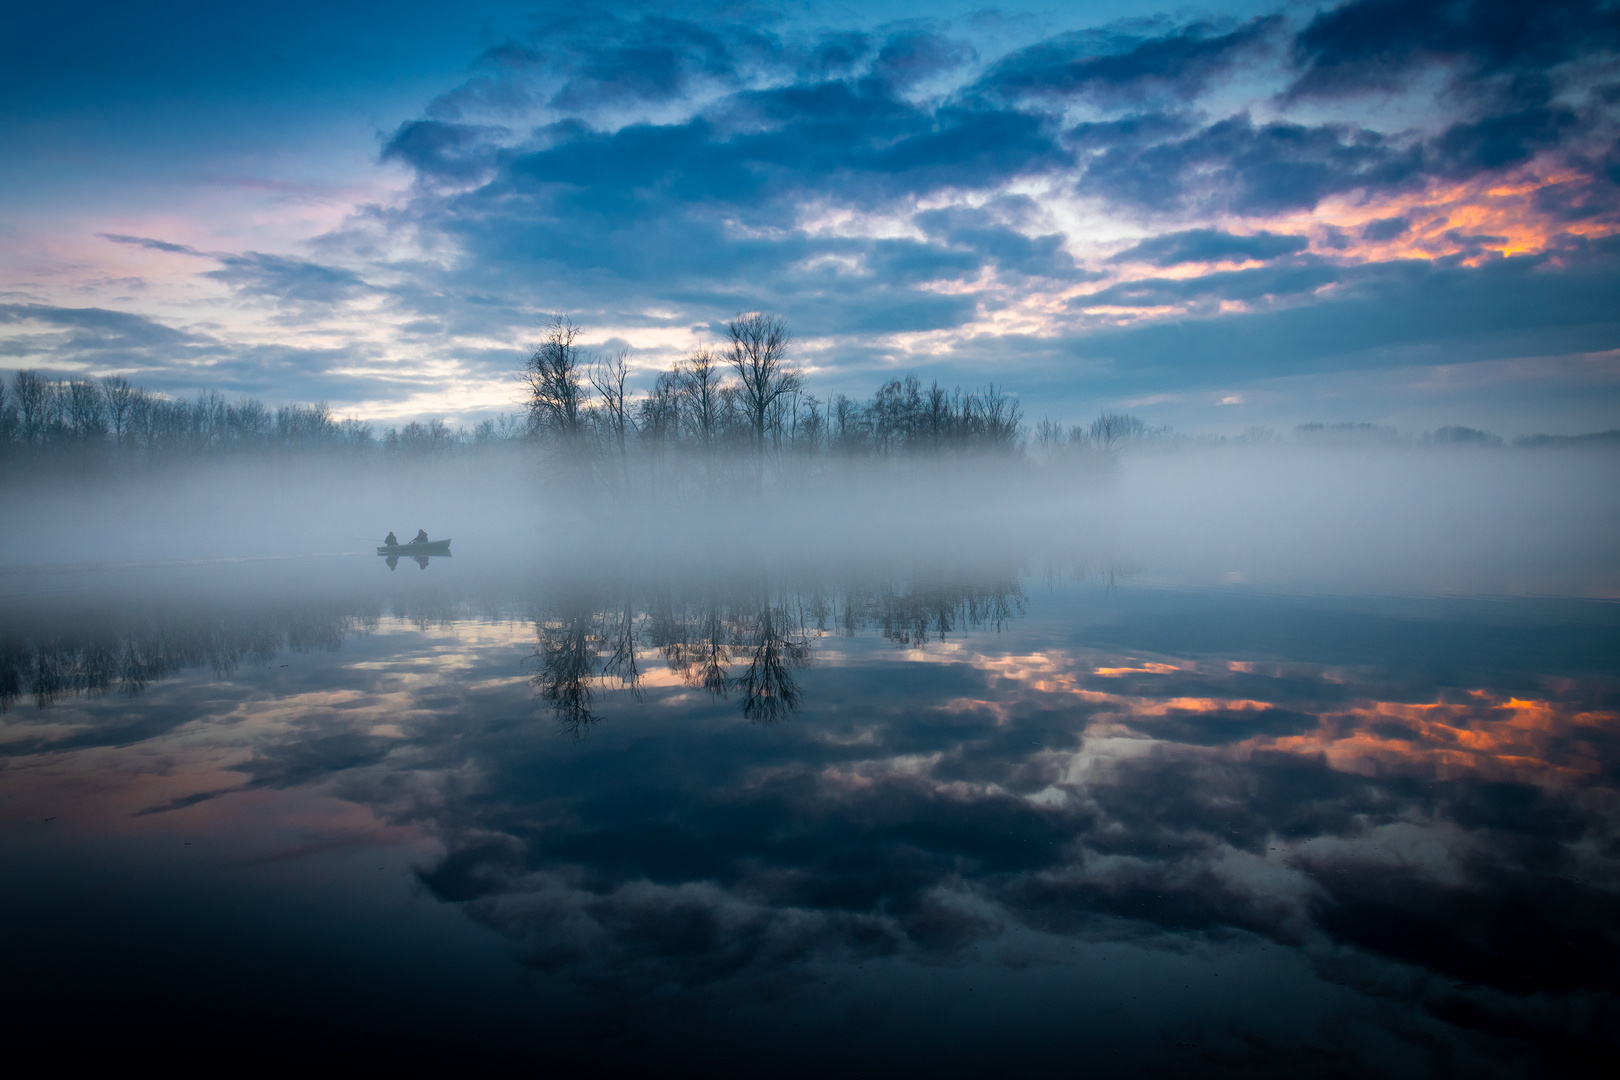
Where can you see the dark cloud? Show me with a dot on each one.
(834, 54)
(443, 150)
(1211, 245)
(98, 330)
(1238, 285)
(150, 244)
(1236, 165)
(1501, 141)
(988, 233)
(1386, 228)
(1380, 315)
(649, 59)
(287, 280)
(178, 361)
(1218, 727)
(911, 57)
(1122, 66)
(1385, 44)
(74, 338)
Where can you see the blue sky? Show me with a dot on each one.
(1212, 216)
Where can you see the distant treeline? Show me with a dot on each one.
(1453, 435)
(743, 404)
(107, 420)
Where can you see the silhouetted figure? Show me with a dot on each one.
(392, 541)
(393, 561)
(421, 537)
(422, 561)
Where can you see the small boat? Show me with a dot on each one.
(430, 547)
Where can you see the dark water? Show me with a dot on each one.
(984, 819)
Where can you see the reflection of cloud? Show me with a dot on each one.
(1391, 825)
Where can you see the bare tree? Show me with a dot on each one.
(8, 416)
(1110, 431)
(86, 411)
(554, 376)
(758, 352)
(700, 383)
(658, 418)
(120, 406)
(609, 376)
(1000, 417)
(33, 396)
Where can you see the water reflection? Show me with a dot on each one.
(744, 637)
(127, 651)
(983, 771)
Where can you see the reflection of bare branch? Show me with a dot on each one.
(769, 690)
(713, 655)
(567, 657)
(621, 649)
(130, 656)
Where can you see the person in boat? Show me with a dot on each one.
(421, 537)
(392, 541)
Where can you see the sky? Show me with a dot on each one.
(1215, 217)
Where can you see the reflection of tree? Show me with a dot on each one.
(130, 656)
(567, 658)
(749, 636)
(913, 614)
(621, 640)
(713, 655)
(769, 691)
(695, 646)
(705, 631)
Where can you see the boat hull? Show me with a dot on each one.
(432, 547)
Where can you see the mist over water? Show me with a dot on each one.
(1380, 518)
(1243, 760)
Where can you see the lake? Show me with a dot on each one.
(997, 812)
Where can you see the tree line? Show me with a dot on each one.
(743, 404)
(87, 421)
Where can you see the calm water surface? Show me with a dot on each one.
(987, 818)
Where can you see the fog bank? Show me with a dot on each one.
(1389, 519)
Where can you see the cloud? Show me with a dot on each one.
(1500, 141)
(1235, 165)
(1386, 228)
(1234, 285)
(1211, 245)
(288, 280)
(444, 150)
(1120, 66)
(152, 245)
(1380, 315)
(989, 233)
(97, 338)
(1386, 44)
